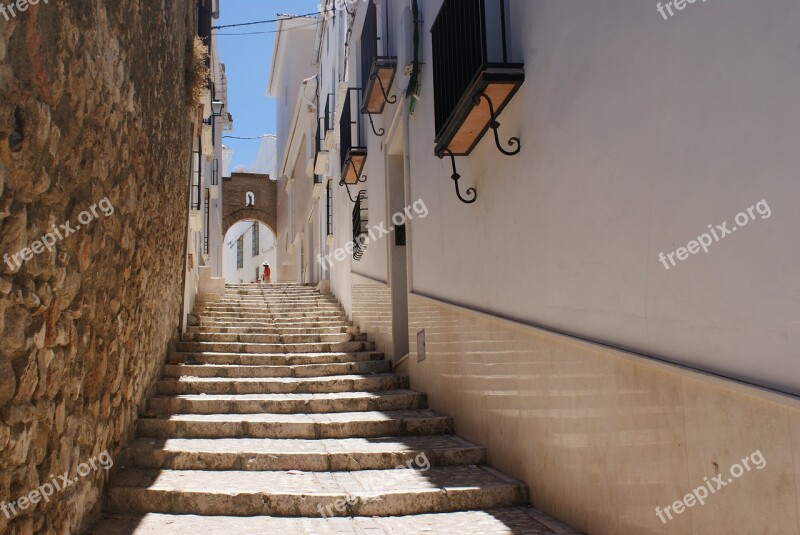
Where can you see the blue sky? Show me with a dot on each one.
(247, 61)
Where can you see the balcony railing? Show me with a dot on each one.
(197, 177)
(378, 66)
(360, 225)
(470, 64)
(330, 113)
(206, 244)
(353, 149)
(215, 172)
(329, 206)
(204, 24)
(321, 155)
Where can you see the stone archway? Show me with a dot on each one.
(235, 205)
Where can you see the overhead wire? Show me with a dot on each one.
(252, 23)
(272, 31)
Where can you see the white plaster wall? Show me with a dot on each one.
(267, 251)
(295, 65)
(266, 159)
(637, 133)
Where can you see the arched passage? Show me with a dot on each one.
(248, 214)
(236, 203)
(247, 246)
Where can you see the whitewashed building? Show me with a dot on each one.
(249, 244)
(574, 294)
(293, 86)
(204, 244)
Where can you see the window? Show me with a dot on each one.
(215, 172)
(474, 79)
(250, 199)
(353, 150)
(320, 156)
(360, 225)
(255, 240)
(197, 176)
(330, 208)
(240, 252)
(378, 67)
(206, 246)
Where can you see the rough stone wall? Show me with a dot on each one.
(92, 106)
(234, 190)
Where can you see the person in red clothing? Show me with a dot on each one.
(267, 276)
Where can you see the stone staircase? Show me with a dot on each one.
(275, 415)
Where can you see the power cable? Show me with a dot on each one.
(288, 17)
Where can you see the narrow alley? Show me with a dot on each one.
(399, 267)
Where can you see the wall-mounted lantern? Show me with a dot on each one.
(216, 110)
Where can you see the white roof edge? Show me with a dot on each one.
(290, 155)
(285, 22)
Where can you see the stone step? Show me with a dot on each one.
(266, 425)
(238, 347)
(303, 370)
(269, 298)
(506, 521)
(282, 385)
(313, 494)
(291, 311)
(264, 329)
(267, 307)
(272, 316)
(270, 287)
(248, 338)
(392, 400)
(314, 455)
(269, 329)
(272, 359)
(279, 325)
(267, 304)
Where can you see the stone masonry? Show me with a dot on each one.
(234, 206)
(275, 415)
(94, 132)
